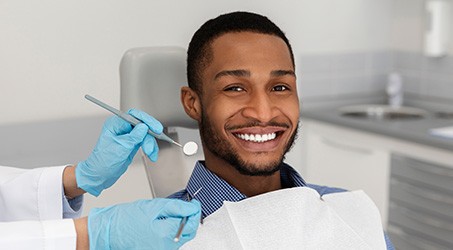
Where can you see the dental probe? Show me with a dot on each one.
(132, 120)
(181, 227)
(184, 219)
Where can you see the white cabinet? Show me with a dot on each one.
(353, 159)
(421, 202)
(344, 158)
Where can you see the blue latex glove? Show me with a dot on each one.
(114, 151)
(144, 224)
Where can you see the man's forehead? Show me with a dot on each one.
(238, 45)
(217, 63)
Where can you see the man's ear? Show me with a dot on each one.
(191, 103)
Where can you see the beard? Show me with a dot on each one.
(224, 149)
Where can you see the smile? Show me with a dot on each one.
(257, 137)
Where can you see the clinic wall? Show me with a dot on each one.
(53, 52)
(343, 76)
(425, 78)
(409, 23)
(362, 75)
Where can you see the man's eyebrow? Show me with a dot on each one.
(238, 73)
(280, 72)
(246, 73)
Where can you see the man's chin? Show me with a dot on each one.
(258, 170)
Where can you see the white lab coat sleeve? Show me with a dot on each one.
(48, 235)
(31, 194)
(32, 207)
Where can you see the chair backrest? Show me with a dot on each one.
(151, 79)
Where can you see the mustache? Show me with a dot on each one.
(259, 124)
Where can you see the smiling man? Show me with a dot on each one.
(248, 112)
(243, 94)
(242, 91)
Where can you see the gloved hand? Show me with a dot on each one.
(114, 151)
(144, 224)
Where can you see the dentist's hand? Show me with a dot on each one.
(114, 151)
(144, 224)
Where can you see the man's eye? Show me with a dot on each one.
(234, 88)
(280, 88)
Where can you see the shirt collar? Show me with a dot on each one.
(211, 191)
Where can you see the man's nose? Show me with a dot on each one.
(260, 107)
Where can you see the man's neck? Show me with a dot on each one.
(246, 184)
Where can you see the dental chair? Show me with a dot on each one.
(151, 79)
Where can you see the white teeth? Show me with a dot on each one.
(257, 137)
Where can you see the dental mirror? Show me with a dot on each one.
(190, 148)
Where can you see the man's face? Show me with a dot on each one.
(250, 108)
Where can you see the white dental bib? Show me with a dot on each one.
(294, 218)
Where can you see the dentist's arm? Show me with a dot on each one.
(144, 224)
(81, 227)
(71, 189)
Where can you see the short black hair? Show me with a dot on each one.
(199, 53)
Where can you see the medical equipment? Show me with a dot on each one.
(181, 227)
(190, 148)
(184, 220)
